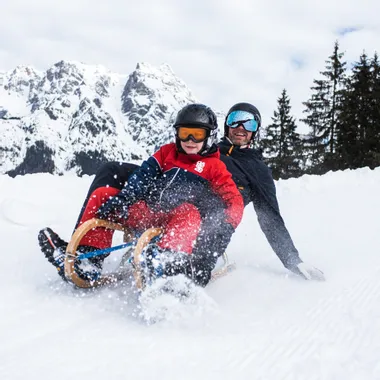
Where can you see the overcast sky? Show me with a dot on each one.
(225, 51)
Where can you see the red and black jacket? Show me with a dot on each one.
(170, 178)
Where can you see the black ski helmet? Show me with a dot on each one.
(248, 107)
(198, 115)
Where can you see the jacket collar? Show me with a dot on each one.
(197, 157)
(227, 142)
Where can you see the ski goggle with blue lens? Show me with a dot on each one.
(246, 119)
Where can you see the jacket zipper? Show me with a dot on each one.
(162, 192)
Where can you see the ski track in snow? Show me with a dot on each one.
(335, 330)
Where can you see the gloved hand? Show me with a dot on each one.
(308, 272)
(114, 209)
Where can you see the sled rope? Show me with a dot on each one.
(101, 252)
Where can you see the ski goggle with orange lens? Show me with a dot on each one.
(194, 134)
(246, 119)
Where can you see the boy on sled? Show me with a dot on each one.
(181, 188)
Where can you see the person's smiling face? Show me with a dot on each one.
(239, 136)
(191, 147)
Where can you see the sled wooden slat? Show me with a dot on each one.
(145, 238)
(224, 270)
(71, 253)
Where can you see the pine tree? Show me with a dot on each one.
(374, 149)
(322, 111)
(356, 122)
(315, 141)
(281, 144)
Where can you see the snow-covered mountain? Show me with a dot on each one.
(75, 116)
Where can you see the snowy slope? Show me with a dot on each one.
(260, 322)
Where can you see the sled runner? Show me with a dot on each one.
(72, 256)
(137, 243)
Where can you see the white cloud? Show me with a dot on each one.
(226, 51)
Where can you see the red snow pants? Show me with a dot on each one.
(181, 225)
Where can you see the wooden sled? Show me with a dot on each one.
(71, 253)
(144, 239)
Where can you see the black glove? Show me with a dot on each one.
(195, 268)
(200, 270)
(114, 209)
(211, 244)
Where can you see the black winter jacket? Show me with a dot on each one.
(255, 182)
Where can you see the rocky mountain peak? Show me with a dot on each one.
(150, 99)
(74, 116)
(22, 80)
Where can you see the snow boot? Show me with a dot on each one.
(159, 262)
(54, 249)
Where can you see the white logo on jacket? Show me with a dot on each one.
(199, 166)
